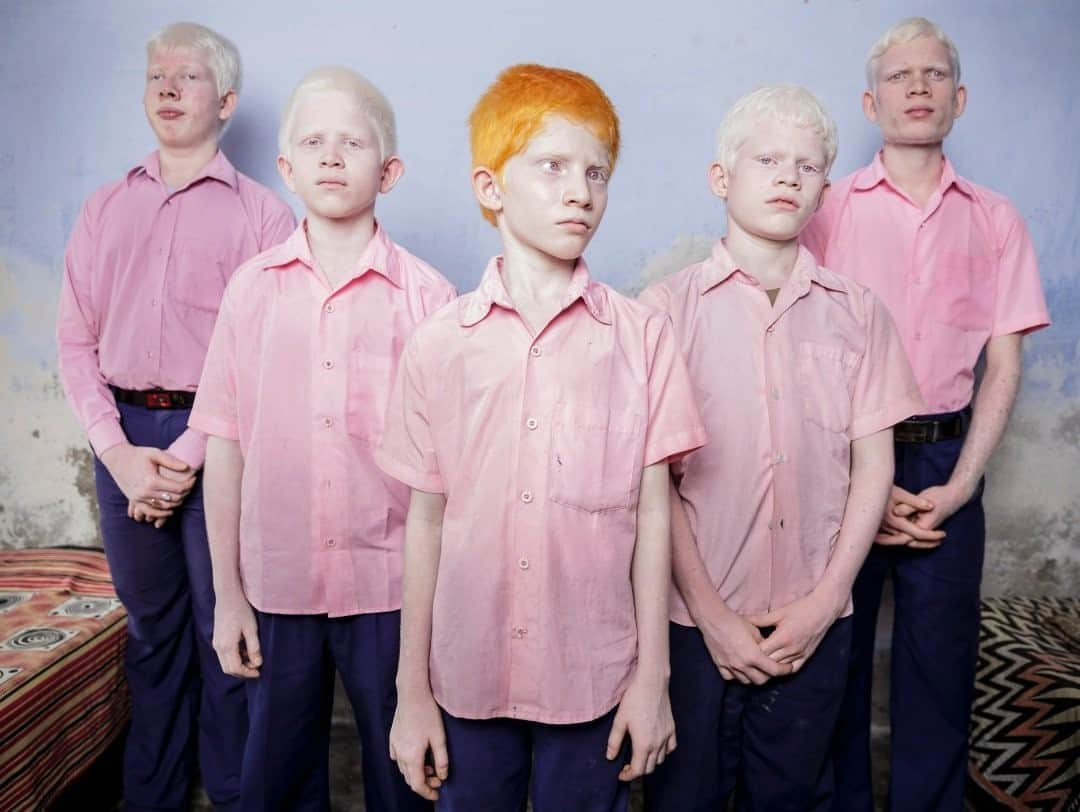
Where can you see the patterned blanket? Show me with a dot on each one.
(63, 697)
(1025, 738)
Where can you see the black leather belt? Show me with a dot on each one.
(932, 428)
(154, 398)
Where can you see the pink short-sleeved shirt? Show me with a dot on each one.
(783, 391)
(143, 275)
(299, 374)
(538, 443)
(953, 275)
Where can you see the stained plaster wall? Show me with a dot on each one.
(70, 89)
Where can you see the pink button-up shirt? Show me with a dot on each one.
(783, 390)
(538, 443)
(953, 275)
(299, 374)
(143, 275)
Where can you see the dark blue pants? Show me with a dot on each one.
(286, 763)
(934, 650)
(492, 761)
(182, 704)
(768, 744)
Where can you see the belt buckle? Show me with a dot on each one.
(158, 400)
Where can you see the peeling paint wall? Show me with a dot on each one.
(71, 83)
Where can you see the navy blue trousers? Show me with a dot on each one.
(934, 650)
(493, 761)
(286, 763)
(768, 744)
(183, 706)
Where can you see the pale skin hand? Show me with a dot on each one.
(136, 470)
(165, 505)
(417, 728)
(801, 624)
(645, 710)
(236, 635)
(915, 520)
(733, 641)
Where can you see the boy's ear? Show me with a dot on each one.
(718, 180)
(961, 100)
(228, 106)
(392, 171)
(869, 105)
(284, 169)
(485, 185)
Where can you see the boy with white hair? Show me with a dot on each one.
(955, 266)
(144, 272)
(306, 534)
(800, 375)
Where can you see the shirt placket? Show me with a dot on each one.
(776, 385)
(329, 392)
(165, 231)
(528, 528)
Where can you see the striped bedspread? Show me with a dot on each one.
(63, 697)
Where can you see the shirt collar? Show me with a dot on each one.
(875, 173)
(378, 256)
(473, 308)
(219, 168)
(719, 267)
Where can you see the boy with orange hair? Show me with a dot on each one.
(534, 420)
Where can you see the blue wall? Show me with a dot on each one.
(71, 76)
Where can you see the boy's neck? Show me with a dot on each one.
(914, 169)
(770, 262)
(535, 282)
(336, 245)
(180, 166)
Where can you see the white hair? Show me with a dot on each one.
(790, 104)
(368, 98)
(906, 31)
(221, 54)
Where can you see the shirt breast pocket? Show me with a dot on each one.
(370, 377)
(825, 376)
(197, 277)
(596, 456)
(965, 299)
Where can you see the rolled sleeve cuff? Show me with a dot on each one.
(675, 446)
(212, 425)
(887, 416)
(426, 481)
(1033, 322)
(190, 447)
(106, 434)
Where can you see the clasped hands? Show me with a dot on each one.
(154, 481)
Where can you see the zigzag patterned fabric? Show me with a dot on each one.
(1025, 737)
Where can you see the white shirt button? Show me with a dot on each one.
(532, 423)
(534, 351)
(526, 496)
(331, 543)
(330, 308)
(328, 421)
(523, 563)
(327, 364)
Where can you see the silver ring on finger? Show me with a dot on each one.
(166, 497)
